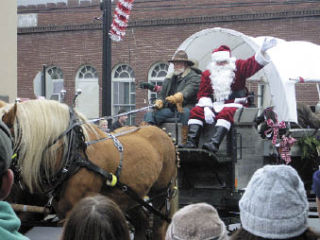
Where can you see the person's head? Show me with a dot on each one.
(242, 234)
(181, 62)
(222, 69)
(6, 174)
(316, 188)
(103, 125)
(123, 118)
(197, 221)
(96, 218)
(274, 205)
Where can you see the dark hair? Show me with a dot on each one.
(96, 218)
(242, 234)
(122, 110)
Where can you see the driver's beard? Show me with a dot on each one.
(221, 79)
(179, 71)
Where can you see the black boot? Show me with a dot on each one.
(193, 136)
(214, 143)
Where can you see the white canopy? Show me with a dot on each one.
(288, 60)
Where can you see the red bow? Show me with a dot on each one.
(274, 128)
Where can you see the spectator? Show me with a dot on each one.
(103, 125)
(274, 206)
(198, 221)
(316, 188)
(96, 218)
(9, 222)
(120, 122)
(179, 92)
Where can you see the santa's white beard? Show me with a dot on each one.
(221, 79)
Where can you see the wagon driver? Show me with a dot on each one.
(178, 93)
(222, 91)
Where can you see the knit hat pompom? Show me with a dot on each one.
(198, 221)
(275, 203)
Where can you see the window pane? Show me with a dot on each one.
(123, 78)
(157, 74)
(133, 98)
(162, 74)
(87, 72)
(124, 75)
(126, 93)
(116, 93)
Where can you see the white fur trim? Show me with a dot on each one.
(195, 121)
(262, 59)
(204, 102)
(223, 123)
(236, 105)
(218, 106)
(220, 56)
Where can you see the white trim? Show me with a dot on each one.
(204, 102)
(218, 106)
(236, 105)
(223, 123)
(195, 121)
(262, 59)
(220, 56)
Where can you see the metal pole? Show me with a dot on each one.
(106, 59)
(44, 80)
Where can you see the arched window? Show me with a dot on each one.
(123, 90)
(87, 72)
(157, 74)
(88, 101)
(56, 75)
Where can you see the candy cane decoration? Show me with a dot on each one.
(120, 19)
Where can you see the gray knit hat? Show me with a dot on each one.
(274, 204)
(5, 148)
(198, 221)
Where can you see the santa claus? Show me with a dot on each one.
(222, 91)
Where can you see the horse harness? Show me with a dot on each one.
(75, 161)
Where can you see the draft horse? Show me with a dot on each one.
(59, 152)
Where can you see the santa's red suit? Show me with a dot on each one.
(222, 91)
(225, 107)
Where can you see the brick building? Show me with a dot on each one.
(67, 37)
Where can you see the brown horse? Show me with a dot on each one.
(44, 135)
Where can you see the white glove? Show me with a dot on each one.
(268, 43)
(208, 115)
(242, 100)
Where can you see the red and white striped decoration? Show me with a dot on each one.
(120, 19)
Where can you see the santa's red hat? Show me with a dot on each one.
(220, 54)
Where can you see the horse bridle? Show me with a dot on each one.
(75, 161)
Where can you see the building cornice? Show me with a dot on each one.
(179, 21)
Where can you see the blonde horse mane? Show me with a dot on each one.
(38, 123)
